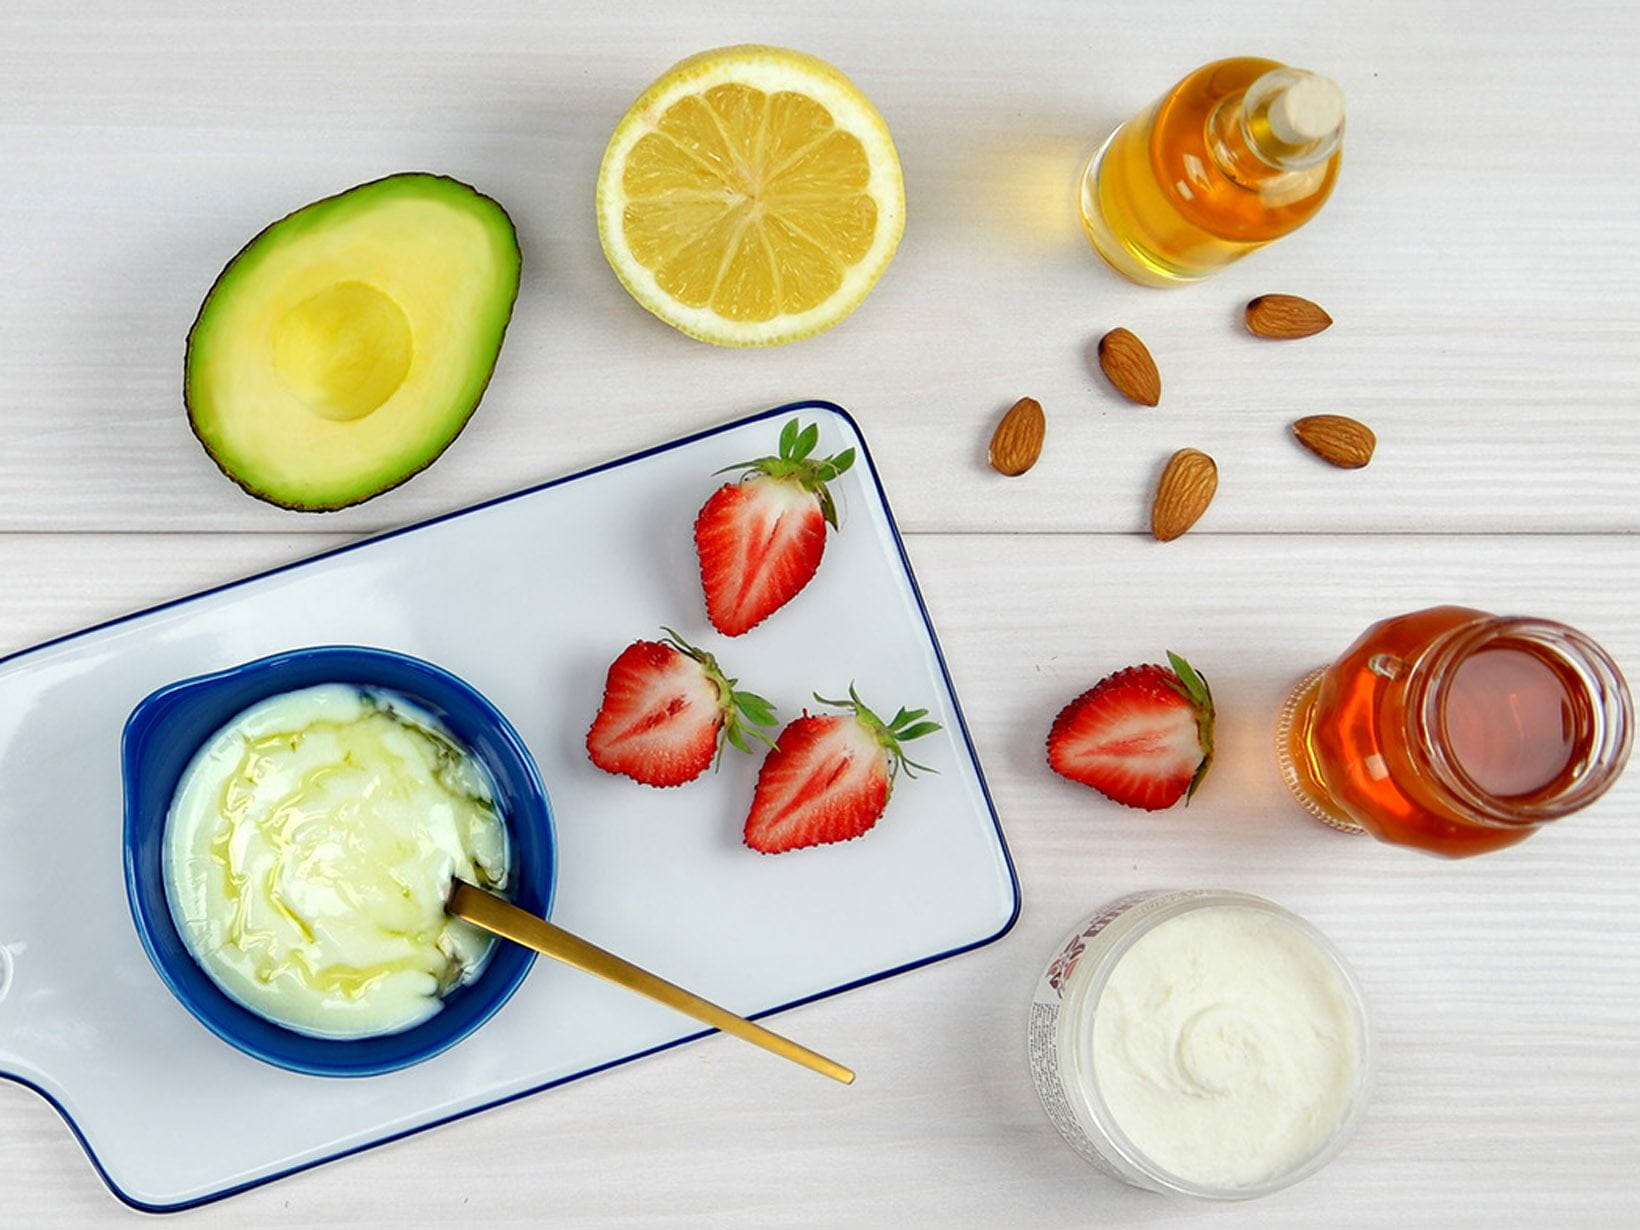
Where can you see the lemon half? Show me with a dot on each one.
(751, 196)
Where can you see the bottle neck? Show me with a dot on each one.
(1282, 129)
(1596, 714)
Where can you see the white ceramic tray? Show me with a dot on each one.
(529, 598)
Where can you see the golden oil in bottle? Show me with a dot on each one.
(1240, 152)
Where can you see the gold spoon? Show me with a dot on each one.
(503, 918)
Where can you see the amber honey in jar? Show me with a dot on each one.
(1456, 731)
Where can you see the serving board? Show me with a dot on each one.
(529, 598)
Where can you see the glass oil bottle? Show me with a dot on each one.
(1239, 153)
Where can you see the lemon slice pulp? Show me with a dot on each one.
(751, 196)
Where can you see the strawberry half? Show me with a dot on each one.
(1143, 736)
(760, 539)
(667, 712)
(829, 776)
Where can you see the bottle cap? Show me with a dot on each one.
(1309, 109)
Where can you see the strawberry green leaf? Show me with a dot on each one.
(755, 708)
(806, 440)
(1196, 781)
(917, 731)
(1195, 687)
(788, 437)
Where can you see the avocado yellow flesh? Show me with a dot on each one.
(344, 350)
(347, 345)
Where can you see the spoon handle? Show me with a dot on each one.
(502, 918)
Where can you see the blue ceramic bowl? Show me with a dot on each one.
(161, 737)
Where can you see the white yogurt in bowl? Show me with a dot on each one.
(1208, 1043)
(308, 851)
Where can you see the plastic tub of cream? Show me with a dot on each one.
(1203, 1042)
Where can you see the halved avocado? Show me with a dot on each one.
(347, 345)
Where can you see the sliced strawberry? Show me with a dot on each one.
(760, 539)
(829, 776)
(667, 712)
(1143, 736)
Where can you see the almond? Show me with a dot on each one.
(1285, 316)
(1182, 496)
(1128, 365)
(1333, 437)
(1017, 442)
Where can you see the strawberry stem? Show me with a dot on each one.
(743, 712)
(1194, 688)
(905, 726)
(792, 464)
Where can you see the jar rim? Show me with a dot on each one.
(1429, 686)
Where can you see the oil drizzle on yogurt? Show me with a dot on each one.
(309, 849)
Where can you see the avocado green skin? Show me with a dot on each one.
(204, 307)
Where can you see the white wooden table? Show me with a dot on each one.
(1480, 261)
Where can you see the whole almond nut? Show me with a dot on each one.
(1183, 494)
(1332, 437)
(1017, 442)
(1128, 365)
(1285, 316)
